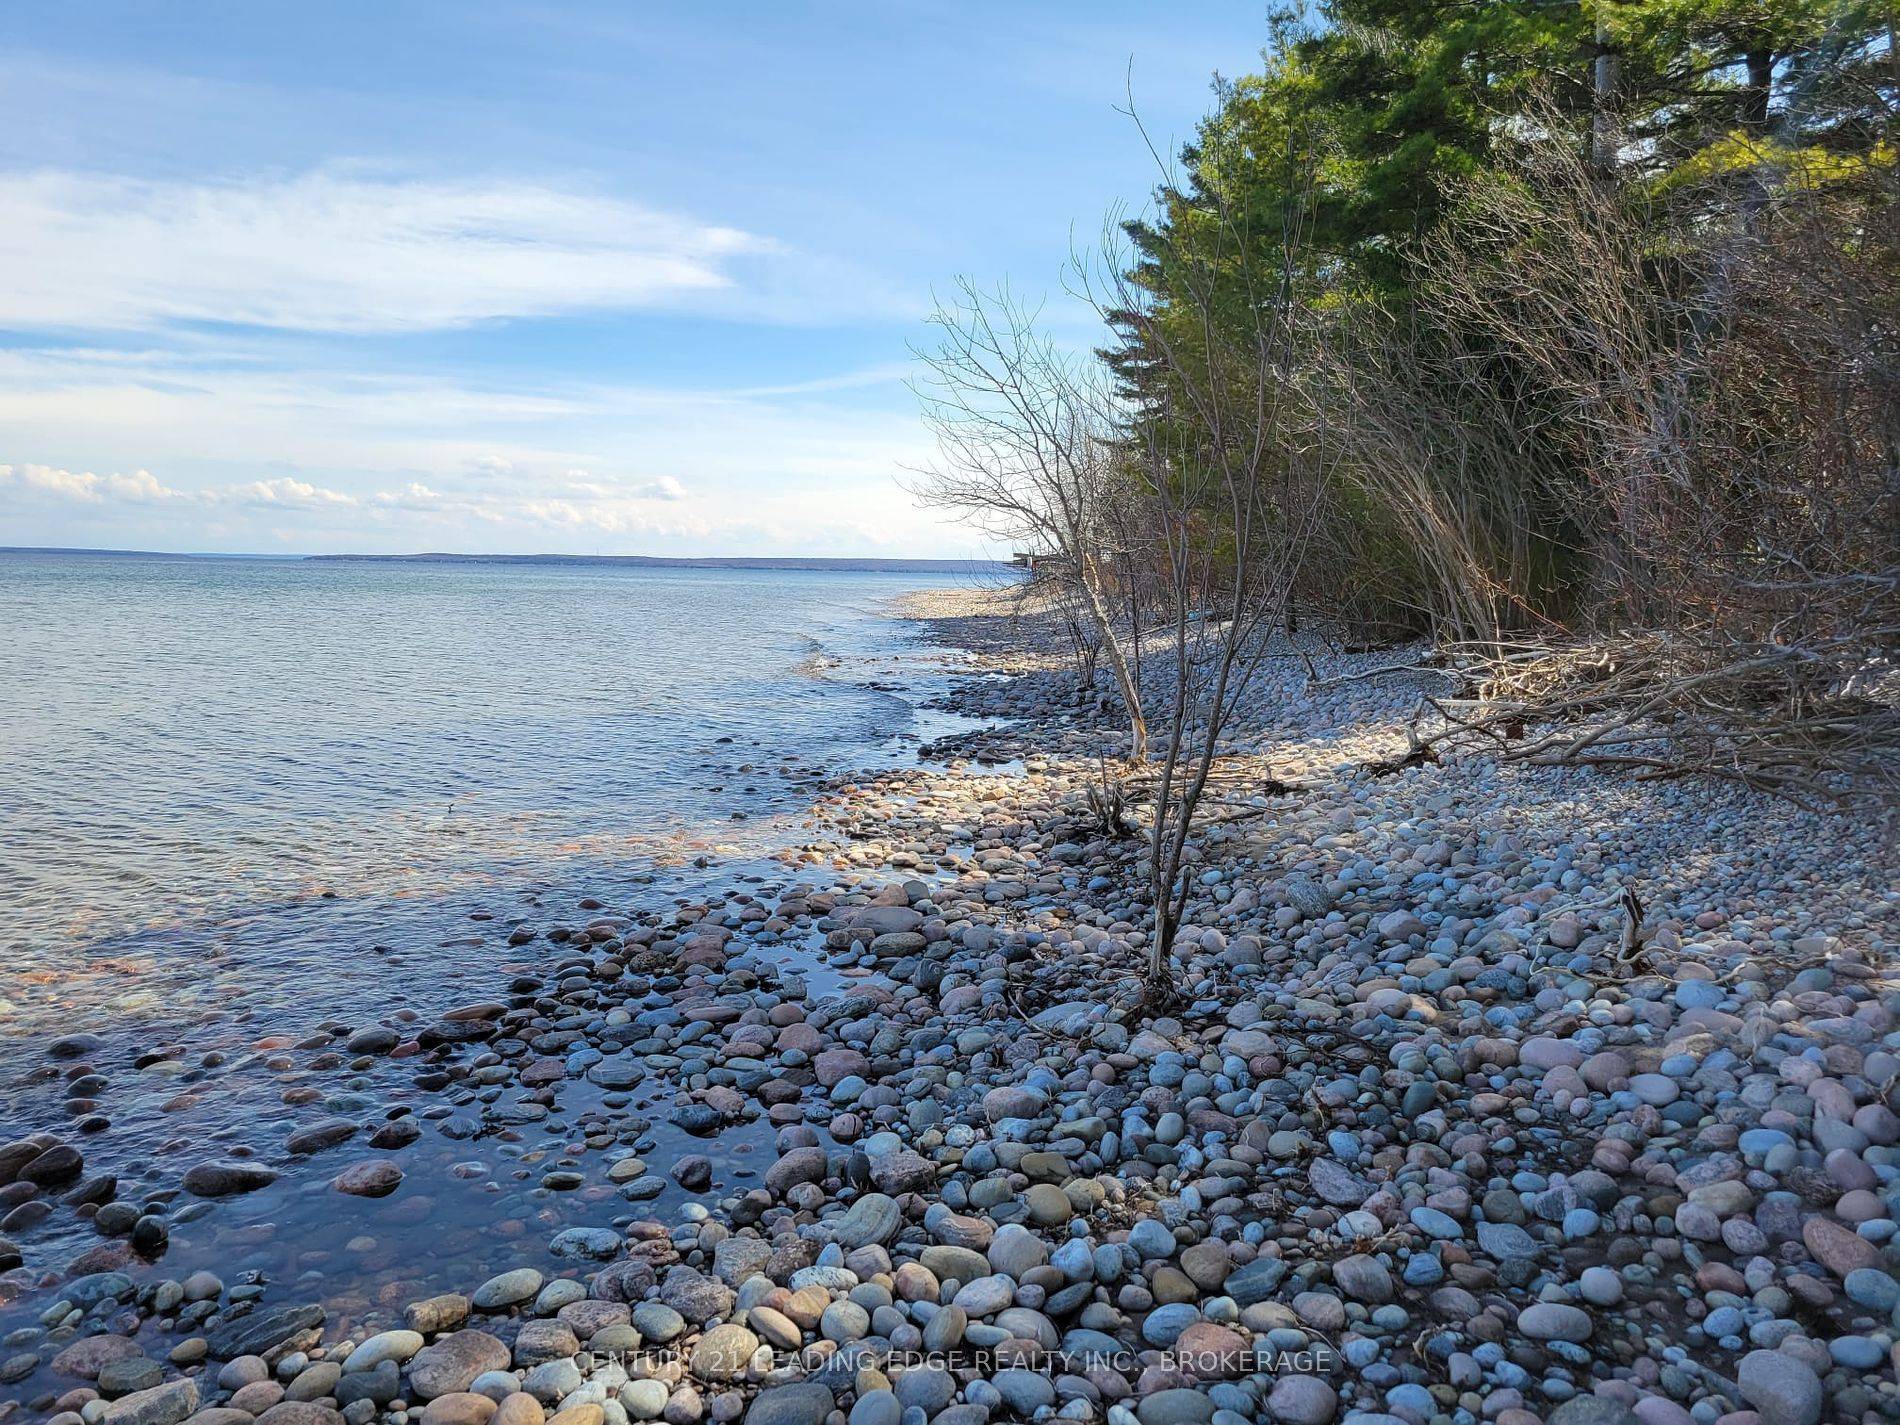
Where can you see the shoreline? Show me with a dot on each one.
(1407, 1121)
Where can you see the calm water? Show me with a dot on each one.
(242, 798)
(200, 754)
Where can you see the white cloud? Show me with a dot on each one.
(138, 488)
(339, 251)
(248, 458)
(580, 504)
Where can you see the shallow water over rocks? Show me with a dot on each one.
(245, 1034)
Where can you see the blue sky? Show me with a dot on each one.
(588, 278)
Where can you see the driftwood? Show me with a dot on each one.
(1815, 722)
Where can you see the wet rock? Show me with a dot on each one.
(318, 1136)
(84, 1358)
(129, 1374)
(585, 1244)
(260, 1332)
(58, 1164)
(373, 1177)
(227, 1177)
(435, 1314)
(508, 1289)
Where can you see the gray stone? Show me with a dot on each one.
(1594, 1410)
(165, 1404)
(260, 1332)
(452, 1363)
(1782, 1389)
(508, 1289)
(1363, 1279)
(224, 1178)
(873, 1220)
(1302, 1400)
(585, 1244)
(806, 1403)
(1554, 1321)
(1255, 1282)
(1024, 1391)
(929, 1388)
(1175, 1407)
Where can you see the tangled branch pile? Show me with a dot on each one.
(1811, 722)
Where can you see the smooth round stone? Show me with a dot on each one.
(844, 1321)
(1554, 1321)
(1441, 1226)
(559, 1293)
(1872, 1288)
(987, 1295)
(643, 1399)
(1302, 1400)
(1600, 1286)
(508, 1289)
(1048, 1205)
(656, 1321)
(397, 1345)
(1783, 1390)
(1151, 1240)
(1024, 1391)
(373, 1177)
(723, 1353)
(1859, 1353)
(928, 1388)
(805, 1403)
(1164, 1325)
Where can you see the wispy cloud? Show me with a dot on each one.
(337, 250)
(573, 502)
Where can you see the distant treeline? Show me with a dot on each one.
(1566, 335)
(867, 566)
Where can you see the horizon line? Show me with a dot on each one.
(448, 556)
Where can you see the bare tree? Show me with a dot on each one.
(1027, 453)
(1231, 455)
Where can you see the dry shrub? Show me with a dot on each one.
(1718, 374)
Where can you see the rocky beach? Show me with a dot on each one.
(1497, 1093)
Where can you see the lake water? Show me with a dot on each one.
(241, 798)
(280, 764)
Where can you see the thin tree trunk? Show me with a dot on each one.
(1090, 580)
(1758, 91)
(1607, 72)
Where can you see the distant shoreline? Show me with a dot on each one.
(647, 561)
